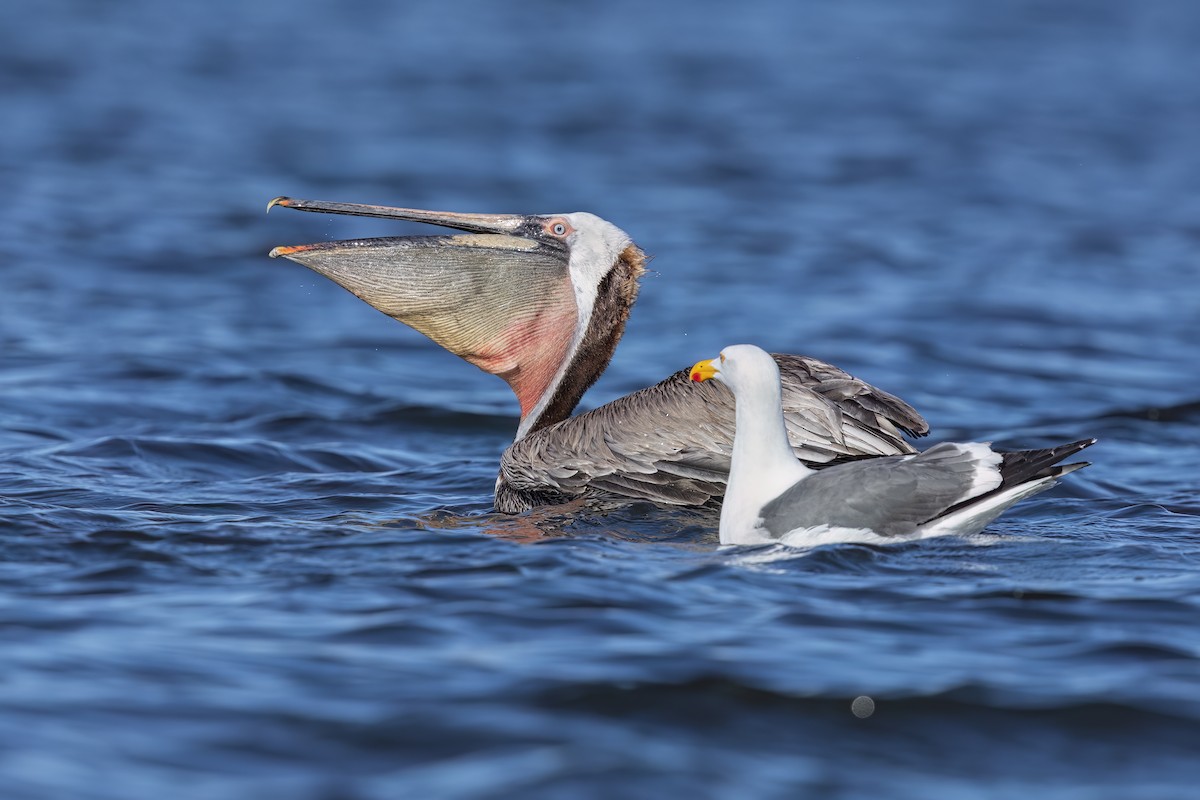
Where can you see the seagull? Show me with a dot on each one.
(950, 488)
(541, 300)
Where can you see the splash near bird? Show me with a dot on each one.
(542, 300)
(771, 496)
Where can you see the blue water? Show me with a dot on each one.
(245, 540)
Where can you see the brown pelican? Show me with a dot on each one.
(772, 497)
(541, 300)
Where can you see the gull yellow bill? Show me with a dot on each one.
(703, 370)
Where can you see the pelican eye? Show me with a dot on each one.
(558, 228)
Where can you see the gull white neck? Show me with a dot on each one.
(763, 464)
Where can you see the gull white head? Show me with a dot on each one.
(744, 368)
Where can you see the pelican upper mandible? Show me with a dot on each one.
(542, 300)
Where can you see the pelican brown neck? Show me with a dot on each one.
(593, 350)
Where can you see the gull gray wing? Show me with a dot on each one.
(671, 443)
(889, 496)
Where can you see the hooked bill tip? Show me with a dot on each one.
(279, 201)
(287, 250)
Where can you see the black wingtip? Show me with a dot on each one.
(1056, 454)
(1024, 465)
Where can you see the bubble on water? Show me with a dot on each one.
(862, 707)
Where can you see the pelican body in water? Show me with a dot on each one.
(542, 300)
(949, 488)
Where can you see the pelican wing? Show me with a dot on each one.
(671, 443)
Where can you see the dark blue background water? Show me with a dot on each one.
(244, 541)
